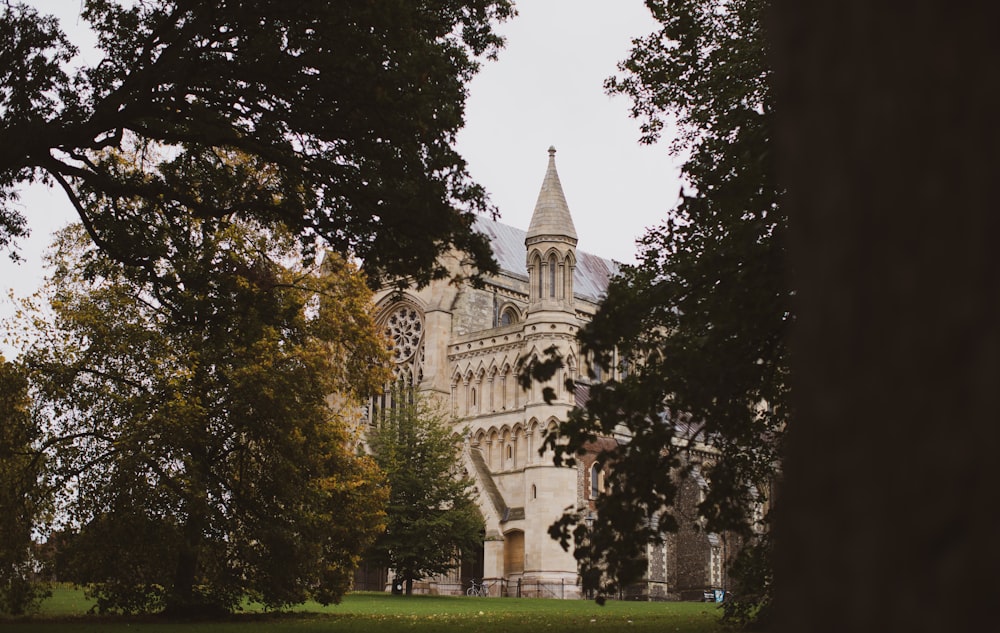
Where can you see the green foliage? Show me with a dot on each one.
(432, 518)
(355, 106)
(753, 568)
(702, 320)
(202, 423)
(23, 497)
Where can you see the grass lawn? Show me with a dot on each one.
(380, 612)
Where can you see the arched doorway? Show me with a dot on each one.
(513, 554)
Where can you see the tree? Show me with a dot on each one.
(432, 518)
(703, 318)
(890, 469)
(202, 423)
(23, 497)
(353, 105)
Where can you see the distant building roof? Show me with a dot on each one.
(592, 272)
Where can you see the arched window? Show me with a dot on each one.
(596, 480)
(552, 276)
(540, 267)
(534, 491)
(404, 326)
(508, 317)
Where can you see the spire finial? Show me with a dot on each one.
(551, 218)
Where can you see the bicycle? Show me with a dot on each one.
(478, 589)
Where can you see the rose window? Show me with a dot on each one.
(405, 329)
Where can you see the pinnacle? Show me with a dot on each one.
(552, 216)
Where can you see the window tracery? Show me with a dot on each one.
(404, 325)
(406, 329)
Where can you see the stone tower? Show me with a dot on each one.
(551, 247)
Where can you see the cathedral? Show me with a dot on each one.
(461, 344)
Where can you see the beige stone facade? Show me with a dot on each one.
(462, 345)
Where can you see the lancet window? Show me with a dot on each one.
(552, 276)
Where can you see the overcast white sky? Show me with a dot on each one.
(545, 89)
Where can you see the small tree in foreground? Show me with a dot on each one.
(432, 517)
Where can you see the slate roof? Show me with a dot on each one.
(592, 274)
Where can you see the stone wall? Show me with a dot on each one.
(473, 311)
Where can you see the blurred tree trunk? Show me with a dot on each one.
(888, 144)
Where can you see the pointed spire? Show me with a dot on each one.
(551, 217)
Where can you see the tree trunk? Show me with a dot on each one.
(181, 600)
(409, 586)
(889, 148)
